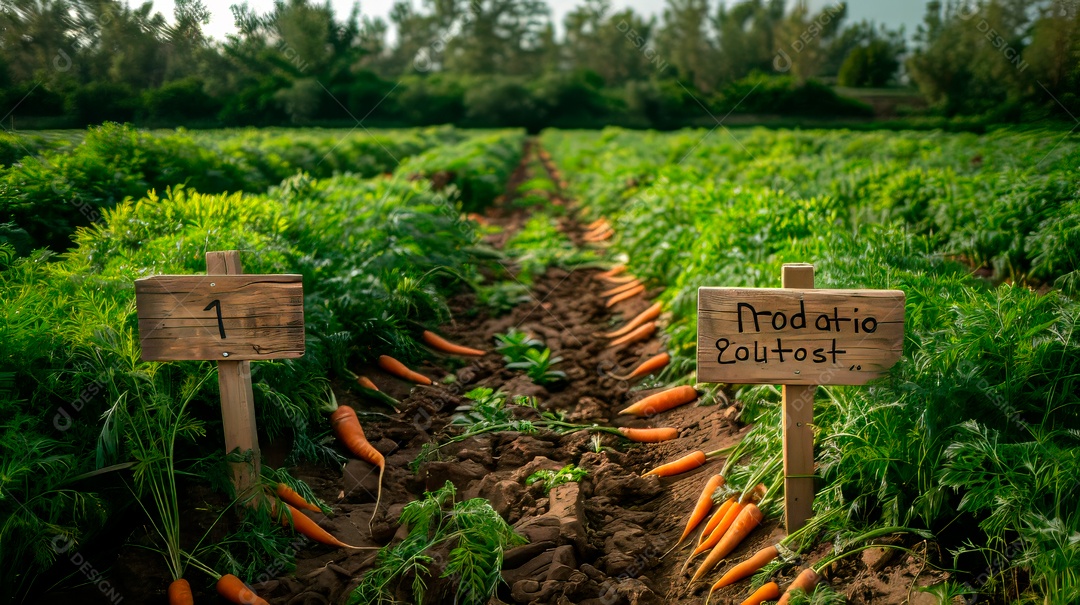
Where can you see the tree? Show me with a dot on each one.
(684, 42)
(871, 56)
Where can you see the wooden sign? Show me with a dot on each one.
(798, 336)
(231, 318)
(220, 317)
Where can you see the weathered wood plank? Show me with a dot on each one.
(261, 317)
(798, 336)
(798, 433)
(237, 398)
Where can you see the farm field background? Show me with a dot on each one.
(965, 455)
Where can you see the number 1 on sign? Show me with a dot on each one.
(220, 322)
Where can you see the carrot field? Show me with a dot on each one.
(498, 398)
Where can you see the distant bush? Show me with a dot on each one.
(180, 100)
(100, 102)
(782, 95)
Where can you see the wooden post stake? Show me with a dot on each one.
(237, 400)
(798, 415)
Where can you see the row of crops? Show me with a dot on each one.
(51, 184)
(975, 434)
(379, 253)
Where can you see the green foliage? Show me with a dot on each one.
(473, 533)
(552, 479)
(52, 194)
(978, 419)
(514, 344)
(378, 256)
(537, 364)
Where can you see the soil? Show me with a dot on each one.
(597, 542)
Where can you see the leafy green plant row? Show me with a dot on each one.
(1006, 200)
(975, 433)
(45, 196)
(378, 258)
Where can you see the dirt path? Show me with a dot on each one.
(594, 542)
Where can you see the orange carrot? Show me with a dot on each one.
(649, 435)
(701, 509)
(662, 401)
(749, 518)
(398, 369)
(620, 289)
(596, 223)
(767, 592)
(715, 520)
(618, 298)
(603, 226)
(747, 568)
(365, 382)
(612, 272)
(306, 527)
(289, 496)
(599, 236)
(347, 429)
(807, 581)
(637, 335)
(647, 315)
(647, 367)
(233, 589)
(441, 344)
(619, 280)
(180, 593)
(687, 463)
(717, 532)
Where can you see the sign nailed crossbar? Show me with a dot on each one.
(231, 318)
(798, 337)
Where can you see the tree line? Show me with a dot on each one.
(501, 62)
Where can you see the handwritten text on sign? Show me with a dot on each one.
(220, 317)
(789, 336)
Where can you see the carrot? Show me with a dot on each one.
(596, 223)
(365, 382)
(612, 272)
(180, 593)
(441, 344)
(606, 233)
(747, 568)
(748, 519)
(619, 280)
(807, 581)
(649, 435)
(306, 527)
(647, 367)
(717, 532)
(603, 226)
(347, 429)
(620, 289)
(767, 592)
(701, 509)
(715, 520)
(662, 401)
(647, 315)
(233, 589)
(398, 369)
(687, 463)
(618, 298)
(637, 335)
(289, 496)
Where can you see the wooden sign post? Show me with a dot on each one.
(798, 337)
(230, 318)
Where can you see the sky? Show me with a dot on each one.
(891, 12)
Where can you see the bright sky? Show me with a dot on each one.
(907, 12)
